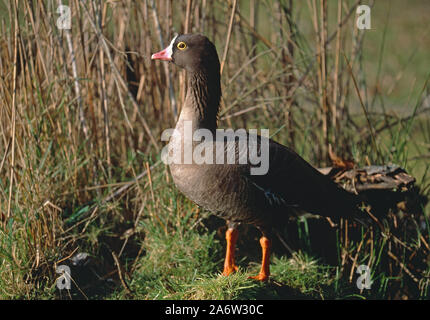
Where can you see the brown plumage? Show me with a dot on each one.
(230, 191)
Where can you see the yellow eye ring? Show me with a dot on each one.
(181, 45)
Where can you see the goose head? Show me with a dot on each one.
(193, 52)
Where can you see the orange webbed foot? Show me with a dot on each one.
(260, 277)
(228, 270)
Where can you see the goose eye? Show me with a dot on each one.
(181, 45)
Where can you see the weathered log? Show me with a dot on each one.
(384, 177)
(384, 187)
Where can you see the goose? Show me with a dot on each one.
(231, 190)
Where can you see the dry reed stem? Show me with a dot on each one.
(227, 41)
(75, 80)
(354, 263)
(15, 62)
(351, 11)
(148, 170)
(363, 107)
(120, 273)
(336, 69)
(172, 99)
(408, 272)
(323, 60)
(104, 99)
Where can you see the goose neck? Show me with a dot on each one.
(202, 100)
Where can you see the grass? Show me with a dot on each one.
(80, 173)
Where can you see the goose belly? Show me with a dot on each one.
(223, 192)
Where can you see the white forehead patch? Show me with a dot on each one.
(169, 49)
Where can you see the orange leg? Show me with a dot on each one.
(231, 237)
(265, 264)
